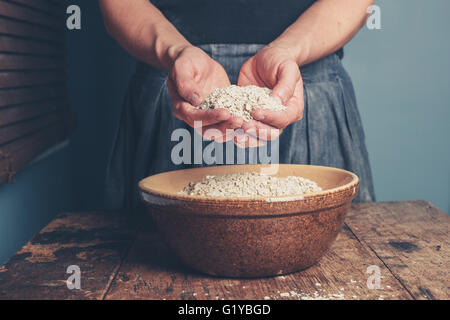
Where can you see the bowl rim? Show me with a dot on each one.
(166, 195)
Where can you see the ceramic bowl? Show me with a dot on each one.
(249, 237)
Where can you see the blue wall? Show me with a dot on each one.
(402, 82)
(38, 193)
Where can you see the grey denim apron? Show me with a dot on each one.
(330, 133)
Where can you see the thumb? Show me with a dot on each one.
(186, 86)
(245, 78)
(287, 77)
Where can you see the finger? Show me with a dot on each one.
(249, 142)
(213, 133)
(245, 140)
(182, 77)
(226, 129)
(297, 101)
(190, 114)
(288, 76)
(261, 130)
(277, 119)
(247, 75)
(281, 119)
(244, 78)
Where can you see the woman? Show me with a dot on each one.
(188, 48)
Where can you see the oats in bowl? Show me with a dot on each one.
(249, 185)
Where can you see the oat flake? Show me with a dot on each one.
(250, 184)
(241, 101)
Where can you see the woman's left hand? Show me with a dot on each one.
(275, 68)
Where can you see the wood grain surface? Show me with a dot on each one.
(407, 241)
(24, 128)
(95, 242)
(19, 62)
(49, 7)
(15, 96)
(34, 113)
(16, 154)
(28, 14)
(30, 31)
(10, 79)
(412, 239)
(27, 111)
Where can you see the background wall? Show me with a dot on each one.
(401, 77)
(403, 89)
(38, 193)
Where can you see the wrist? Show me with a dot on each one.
(298, 50)
(165, 47)
(173, 52)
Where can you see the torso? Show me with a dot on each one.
(232, 21)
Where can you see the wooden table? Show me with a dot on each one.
(408, 242)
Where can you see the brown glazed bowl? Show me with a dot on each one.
(249, 237)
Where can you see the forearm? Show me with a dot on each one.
(142, 30)
(324, 28)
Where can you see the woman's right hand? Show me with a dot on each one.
(193, 76)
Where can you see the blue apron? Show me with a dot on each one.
(330, 133)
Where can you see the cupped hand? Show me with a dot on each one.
(193, 76)
(275, 68)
